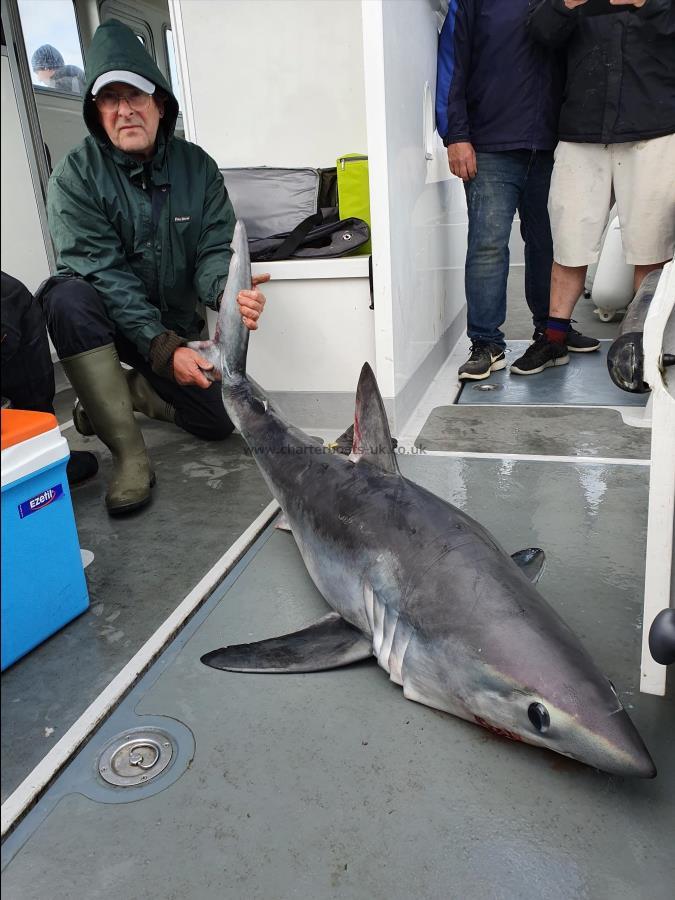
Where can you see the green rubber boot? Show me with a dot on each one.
(146, 400)
(143, 397)
(102, 389)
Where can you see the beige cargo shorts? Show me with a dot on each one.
(587, 177)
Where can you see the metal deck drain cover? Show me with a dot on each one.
(135, 757)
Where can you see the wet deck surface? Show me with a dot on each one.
(335, 786)
(144, 564)
(544, 430)
(584, 381)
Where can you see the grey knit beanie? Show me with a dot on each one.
(46, 57)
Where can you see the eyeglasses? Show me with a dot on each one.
(109, 101)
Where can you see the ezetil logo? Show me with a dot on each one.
(39, 501)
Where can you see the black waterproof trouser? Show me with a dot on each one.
(77, 322)
(27, 370)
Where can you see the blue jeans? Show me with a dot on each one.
(507, 181)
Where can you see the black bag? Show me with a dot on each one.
(292, 213)
(319, 236)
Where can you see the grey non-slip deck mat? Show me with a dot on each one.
(144, 564)
(584, 381)
(534, 430)
(332, 785)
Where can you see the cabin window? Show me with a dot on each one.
(173, 68)
(53, 45)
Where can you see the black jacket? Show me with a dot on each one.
(620, 69)
(495, 86)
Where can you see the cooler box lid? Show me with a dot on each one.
(30, 441)
(21, 424)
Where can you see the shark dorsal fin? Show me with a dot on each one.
(372, 438)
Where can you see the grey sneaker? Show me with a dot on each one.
(576, 341)
(485, 358)
(539, 356)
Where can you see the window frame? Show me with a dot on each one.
(45, 90)
(176, 88)
(112, 9)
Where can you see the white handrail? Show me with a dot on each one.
(659, 556)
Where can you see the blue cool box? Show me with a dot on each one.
(43, 583)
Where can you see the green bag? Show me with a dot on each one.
(353, 191)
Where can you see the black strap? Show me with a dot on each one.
(297, 236)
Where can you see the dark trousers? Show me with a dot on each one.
(77, 321)
(27, 370)
(507, 181)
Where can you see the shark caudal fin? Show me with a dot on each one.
(372, 438)
(227, 351)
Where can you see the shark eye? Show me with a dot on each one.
(538, 715)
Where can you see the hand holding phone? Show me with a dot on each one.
(602, 7)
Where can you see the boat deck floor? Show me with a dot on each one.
(334, 785)
(552, 431)
(143, 566)
(584, 381)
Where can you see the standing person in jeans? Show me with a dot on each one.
(617, 136)
(497, 102)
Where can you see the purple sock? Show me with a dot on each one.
(556, 330)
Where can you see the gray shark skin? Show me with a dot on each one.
(416, 582)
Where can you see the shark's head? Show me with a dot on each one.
(523, 674)
(563, 704)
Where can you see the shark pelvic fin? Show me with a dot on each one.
(327, 644)
(530, 562)
(372, 438)
(282, 523)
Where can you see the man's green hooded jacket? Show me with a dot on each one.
(153, 238)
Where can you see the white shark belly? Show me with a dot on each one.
(347, 589)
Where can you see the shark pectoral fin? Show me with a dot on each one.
(530, 562)
(327, 644)
(372, 438)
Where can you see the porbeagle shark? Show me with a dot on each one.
(414, 581)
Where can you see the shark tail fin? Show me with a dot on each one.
(231, 333)
(372, 438)
(229, 346)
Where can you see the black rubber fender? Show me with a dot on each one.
(626, 362)
(626, 358)
(662, 638)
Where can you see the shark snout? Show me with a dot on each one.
(618, 749)
(632, 758)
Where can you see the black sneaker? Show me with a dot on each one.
(576, 341)
(579, 343)
(485, 358)
(539, 356)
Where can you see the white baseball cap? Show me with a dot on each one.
(131, 78)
